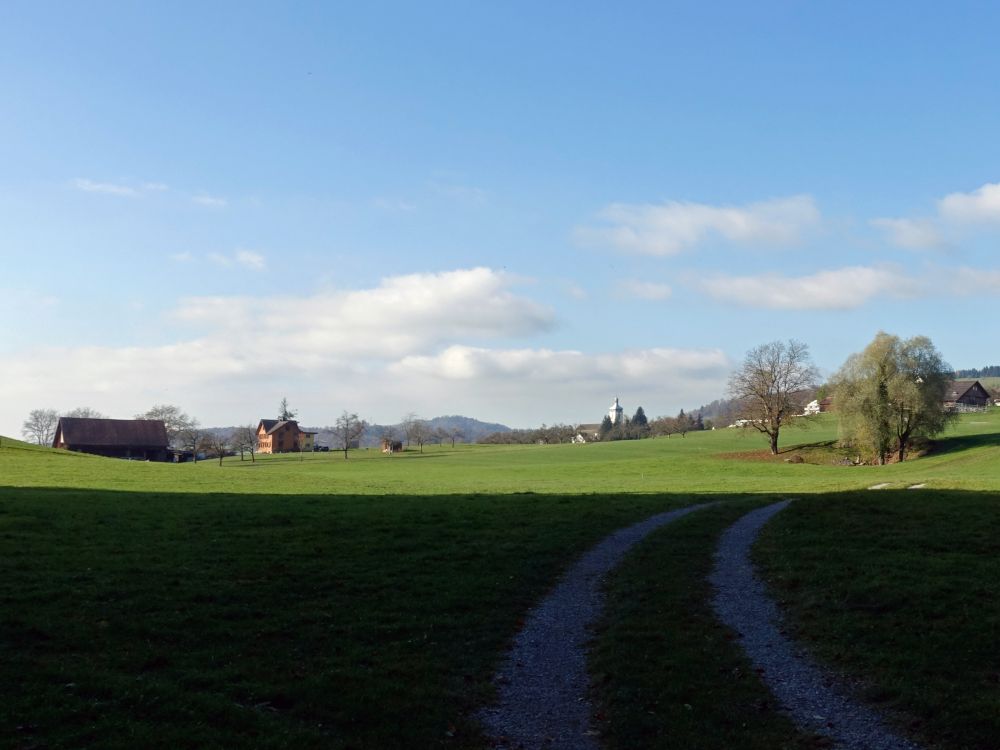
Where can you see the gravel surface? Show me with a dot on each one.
(812, 697)
(543, 683)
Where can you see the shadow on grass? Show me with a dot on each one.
(964, 442)
(157, 619)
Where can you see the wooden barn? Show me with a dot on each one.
(283, 436)
(391, 446)
(142, 439)
(965, 395)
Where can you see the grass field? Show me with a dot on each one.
(323, 602)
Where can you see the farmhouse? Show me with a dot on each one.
(965, 395)
(587, 433)
(144, 439)
(283, 436)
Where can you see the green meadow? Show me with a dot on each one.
(312, 601)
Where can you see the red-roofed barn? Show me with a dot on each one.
(143, 439)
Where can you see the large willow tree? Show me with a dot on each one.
(891, 393)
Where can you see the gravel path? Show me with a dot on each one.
(812, 698)
(543, 683)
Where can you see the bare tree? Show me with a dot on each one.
(192, 438)
(456, 433)
(40, 426)
(770, 386)
(245, 441)
(408, 424)
(85, 412)
(419, 433)
(217, 443)
(347, 431)
(176, 421)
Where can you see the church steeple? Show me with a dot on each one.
(615, 412)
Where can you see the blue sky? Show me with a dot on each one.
(513, 211)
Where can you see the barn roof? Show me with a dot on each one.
(958, 388)
(139, 433)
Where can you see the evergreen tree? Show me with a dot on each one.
(639, 420)
(606, 427)
(285, 413)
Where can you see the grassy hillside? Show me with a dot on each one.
(700, 462)
(364, 603)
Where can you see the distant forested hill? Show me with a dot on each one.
(471, 430)
(992, 371)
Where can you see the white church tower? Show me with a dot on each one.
(615, 412)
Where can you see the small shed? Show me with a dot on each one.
(141, 439)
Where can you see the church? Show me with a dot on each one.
(588, 433)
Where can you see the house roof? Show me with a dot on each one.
(958, 388)
(139, 433)
(273, 425)
(588, 427)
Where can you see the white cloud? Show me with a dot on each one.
(248, 345)
(979, 206)
(645, 366)
(574, 290)
(530, 386)
(644, 289)
(249, 259)
(467, 194)
(211, 201)
(401, 315)
(108, 188)
(916, 234)
(115, 188)
(965, 281)
(395, 206)
(840, 289)
(673, 227)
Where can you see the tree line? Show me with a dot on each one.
(635, 428)
(991, 371)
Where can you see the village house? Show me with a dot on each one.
(141, 439)
(966, 395)
(283, 436)
(587, 433)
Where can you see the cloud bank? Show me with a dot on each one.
(839, 289)
(672, 227)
